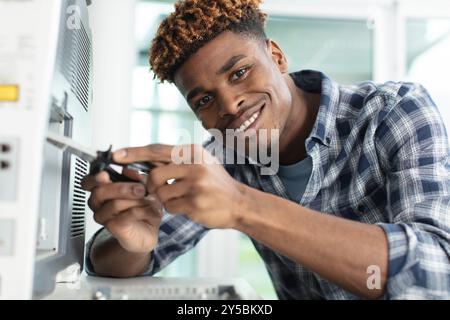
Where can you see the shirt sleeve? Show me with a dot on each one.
(412, 146)
(177, 235)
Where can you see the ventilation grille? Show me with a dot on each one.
(79, 200)
(75, 60)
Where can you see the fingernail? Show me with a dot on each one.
(119, 154)
(139, 190)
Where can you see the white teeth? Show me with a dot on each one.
(248, 123)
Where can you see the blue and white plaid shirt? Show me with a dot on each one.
(380, 156)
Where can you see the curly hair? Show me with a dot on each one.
(196, 22)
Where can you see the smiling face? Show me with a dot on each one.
(237, 82)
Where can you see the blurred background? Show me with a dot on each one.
(349, 40)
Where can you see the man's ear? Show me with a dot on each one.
(277, 55)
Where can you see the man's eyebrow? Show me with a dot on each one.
(194, 92)
(230, 64)
(226, 67)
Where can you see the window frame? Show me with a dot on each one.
(413, 9)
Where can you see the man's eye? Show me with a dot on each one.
(204, 101)
(239, 74)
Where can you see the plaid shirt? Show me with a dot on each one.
(380, 156)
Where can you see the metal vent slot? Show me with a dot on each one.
(78, 197)
(75, 62)
(81, 66)
(78, 177)
(79, 193)
(83, 165)
(77, 224)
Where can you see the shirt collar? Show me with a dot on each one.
(317, 82)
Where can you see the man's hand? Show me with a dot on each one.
(204, 191)
(132, 218)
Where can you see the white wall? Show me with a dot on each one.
(112, 23)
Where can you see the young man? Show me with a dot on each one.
(359, 207)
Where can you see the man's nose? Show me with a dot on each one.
(230, 105)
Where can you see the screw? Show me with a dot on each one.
(4, 165)
(5, 148)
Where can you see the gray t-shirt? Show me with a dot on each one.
(295, 177)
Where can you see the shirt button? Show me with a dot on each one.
(328, 140)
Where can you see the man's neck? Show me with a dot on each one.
(301, 119)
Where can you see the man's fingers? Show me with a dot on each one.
(172, 191)
(159, 176)
(153, 216)
(126, 222)
(152, 153)
(178, 206)
(90, 182)
(159, 163)
(124, 191)
(113, 207)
